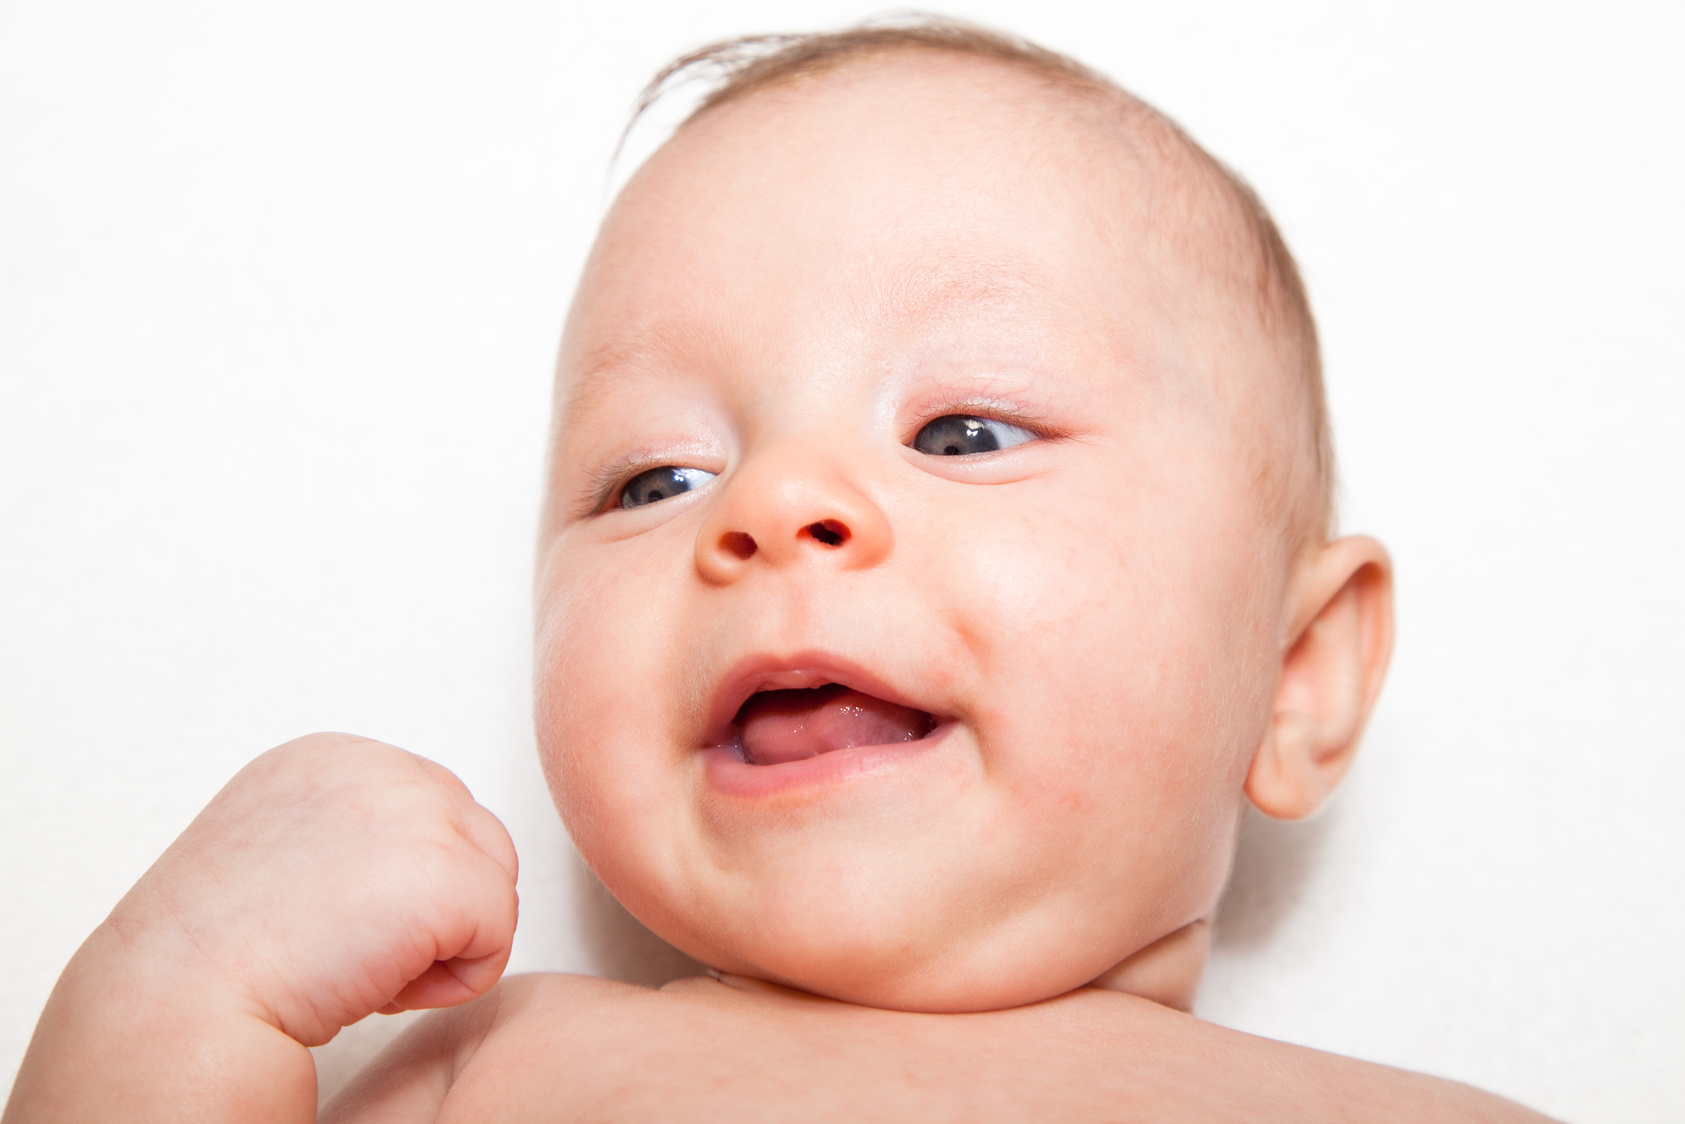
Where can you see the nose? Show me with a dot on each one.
(790, 504)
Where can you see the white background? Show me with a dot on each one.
(280, 285)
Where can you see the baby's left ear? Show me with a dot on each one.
(1339, 642)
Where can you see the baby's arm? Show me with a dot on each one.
(333, 877)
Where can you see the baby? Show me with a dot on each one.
(936, 562)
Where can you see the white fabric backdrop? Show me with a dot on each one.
(279, 289)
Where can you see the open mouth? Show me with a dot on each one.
(776, 726)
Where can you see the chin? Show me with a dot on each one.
(874, 958)
(937, 987)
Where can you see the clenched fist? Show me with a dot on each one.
(333, 877)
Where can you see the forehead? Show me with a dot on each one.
(907, 190)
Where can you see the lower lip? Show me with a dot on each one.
(733, 777)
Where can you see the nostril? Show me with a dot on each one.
(827, 531)
(737, 544)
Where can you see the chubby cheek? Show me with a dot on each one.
(1123, 646)
(605, 735)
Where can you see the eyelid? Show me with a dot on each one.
(993, 409)
(603, 485)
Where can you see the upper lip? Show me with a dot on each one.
(800, 670)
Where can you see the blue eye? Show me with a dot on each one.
(661, 483)
(960, 435)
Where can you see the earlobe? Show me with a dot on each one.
(1284, 781)
(1333, 662)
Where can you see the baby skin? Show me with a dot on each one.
(933, 570)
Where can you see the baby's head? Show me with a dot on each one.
(936, 557)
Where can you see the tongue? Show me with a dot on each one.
(780, 726)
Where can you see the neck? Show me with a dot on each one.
(1166, 971)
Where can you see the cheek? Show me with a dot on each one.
(1122, 635)
(1125, 703)
(600, 664)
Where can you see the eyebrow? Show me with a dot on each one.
(918, 295)
(646, 346)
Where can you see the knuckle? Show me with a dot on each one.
(322, 758)
(331, 743)
(440, 775)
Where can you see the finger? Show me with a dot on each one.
(442, 985)
(437, 772)
(478, 975)
(488, 835)
(473, 820)
(476, 913)
(472, 935)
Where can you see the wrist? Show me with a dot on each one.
(131, 1033)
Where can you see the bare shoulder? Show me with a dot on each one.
(570, 1048)
(514, 1024)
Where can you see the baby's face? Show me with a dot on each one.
(908, 613)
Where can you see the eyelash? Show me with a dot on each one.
(605, 483)
(993, 409)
